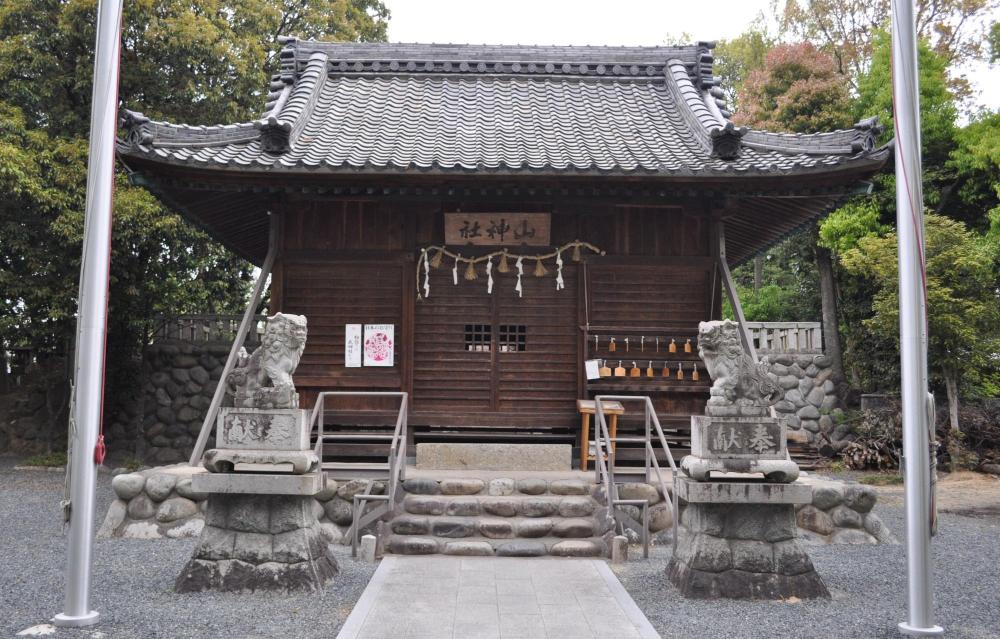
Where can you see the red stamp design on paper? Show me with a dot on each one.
(378, 347)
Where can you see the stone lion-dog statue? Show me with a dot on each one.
(264, 378)
(737, 379)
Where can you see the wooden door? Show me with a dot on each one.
(496, 359)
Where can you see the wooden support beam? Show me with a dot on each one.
(248, 315)
(731, 293)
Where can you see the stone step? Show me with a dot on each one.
(498, 487)
(496, 527)
(485, 546)
(482, 456)
(510, 506)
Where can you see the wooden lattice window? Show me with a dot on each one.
(478, 338)
(512, 338)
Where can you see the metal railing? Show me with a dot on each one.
(605, 445)
(396, 460)
(787, 337)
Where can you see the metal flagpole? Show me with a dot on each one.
(912, 322)
(91, 320)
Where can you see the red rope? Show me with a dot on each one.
(917, 227)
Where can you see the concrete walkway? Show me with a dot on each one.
(495, 598)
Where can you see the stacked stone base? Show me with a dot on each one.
(742, 551)
(259, 543)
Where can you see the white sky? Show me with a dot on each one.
(625, 22)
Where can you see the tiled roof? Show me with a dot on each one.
(384, 108)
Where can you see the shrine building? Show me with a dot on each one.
(474, 224)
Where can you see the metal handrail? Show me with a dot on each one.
(396, 458)
(652, 464)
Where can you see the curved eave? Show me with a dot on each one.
(861, 162)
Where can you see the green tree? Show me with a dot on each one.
(975, 161)
(161, 264)
(203, 62)
(735, 59)
(199, 62)
(938, 110)
(798, 89)
(956, 29)
(963, 307)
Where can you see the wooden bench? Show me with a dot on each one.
(587, 408)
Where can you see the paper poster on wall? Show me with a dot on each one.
(593, 368)
(380, 344)
(352, 345)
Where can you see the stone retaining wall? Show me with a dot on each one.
(33, 416)
(810, 406)
(841, 513)
(180, 379)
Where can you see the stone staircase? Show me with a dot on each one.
(526, 517)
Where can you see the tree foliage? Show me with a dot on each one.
(204, 62)
(798, 89)
(847, 70)
(160, 264)
(975, 161)
(956, 29)
(938, 110)
(791, 289)
(735, 59)
(200, 62)
(963, 307)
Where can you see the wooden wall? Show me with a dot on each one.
(354, 262)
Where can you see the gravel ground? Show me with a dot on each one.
(133, 579)
(867, 584)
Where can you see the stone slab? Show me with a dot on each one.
(737, 437)
(259, 484)
(513, 457)
(467, 597)
(778, 471)
(725, 492)
(223, 460)
(262, 428)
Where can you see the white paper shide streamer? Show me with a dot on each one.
(454, 272)
(560, 284)
(427, 276)
(520, 272)
(489, 277)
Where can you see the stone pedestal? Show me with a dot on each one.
(738, 443)
(258, 542)
(737, 541)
